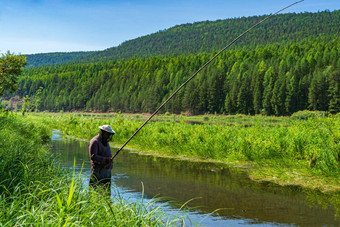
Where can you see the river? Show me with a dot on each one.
(208, 187)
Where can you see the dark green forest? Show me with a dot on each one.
(35, 60)
(207, 37)
(210, 36)
(274, 79)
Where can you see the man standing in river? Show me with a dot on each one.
(100, 155)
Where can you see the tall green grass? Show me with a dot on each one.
(34, 191)
(54, 204)
(306, 144)
(21, 152)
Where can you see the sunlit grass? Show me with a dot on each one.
(57, 203)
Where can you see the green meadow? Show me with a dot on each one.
(299, 150)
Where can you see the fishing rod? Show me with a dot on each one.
(199, 70)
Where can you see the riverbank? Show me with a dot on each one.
(302, 150)
(34, 191)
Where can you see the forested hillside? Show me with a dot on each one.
(272, 79)
(209, 36)
(54, 58)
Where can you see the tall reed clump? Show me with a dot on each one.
(21, 152)
(34, 191)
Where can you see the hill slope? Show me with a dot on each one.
(275, 79)
(35, 60)
(209, 36)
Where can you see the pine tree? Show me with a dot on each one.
(267, 93)
(334, 92)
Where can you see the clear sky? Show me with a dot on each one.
(41, 26)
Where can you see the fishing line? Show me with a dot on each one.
(199, 70)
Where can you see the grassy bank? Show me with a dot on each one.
(33, 191)
(301, 150)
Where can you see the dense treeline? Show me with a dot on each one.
(275, 79)
(209, 36)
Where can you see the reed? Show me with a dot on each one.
(51, 203)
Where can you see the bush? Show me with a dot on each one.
(306, 114)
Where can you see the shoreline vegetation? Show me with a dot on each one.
(35, 191)
(301, 150)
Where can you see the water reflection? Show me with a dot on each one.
(213, 186)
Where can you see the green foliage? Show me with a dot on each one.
(21, 142)
(35, 60)
(32, 104)
(10, 68)
(275, 79)
(45, 204)
(209, 36)
(305, 114)
(334, 92)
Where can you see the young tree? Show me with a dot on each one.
(32, 103)
(10, 68)
(26, 105)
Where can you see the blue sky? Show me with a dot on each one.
(41, 26)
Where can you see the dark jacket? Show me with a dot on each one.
(99, 153)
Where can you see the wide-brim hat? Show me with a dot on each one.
(107, 128)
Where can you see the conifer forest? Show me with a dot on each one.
(290, 64)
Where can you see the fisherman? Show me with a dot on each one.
(100, 155)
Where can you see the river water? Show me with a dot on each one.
(208, 187)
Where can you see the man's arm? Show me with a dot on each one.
(95, 157)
